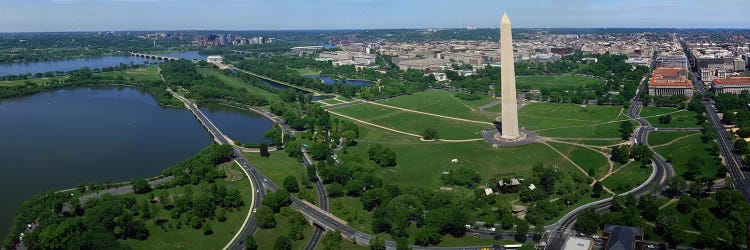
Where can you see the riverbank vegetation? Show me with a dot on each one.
(34, 47)
(200, 199)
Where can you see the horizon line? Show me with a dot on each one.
(356, 29)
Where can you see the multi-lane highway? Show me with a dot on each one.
(732, 160)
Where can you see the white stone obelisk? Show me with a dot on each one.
(508, 82)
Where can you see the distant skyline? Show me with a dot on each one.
(117, 15)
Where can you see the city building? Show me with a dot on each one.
(670, 81)
(575, 243)
(622, 238)
(671, 60)
(734, 85)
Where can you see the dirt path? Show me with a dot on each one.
(668, 203)
(609, 162)
(375, 125)
(431, 114)
(675, 140)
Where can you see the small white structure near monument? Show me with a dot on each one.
(454, 161)
(215, 59)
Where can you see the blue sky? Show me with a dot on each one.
(96, 15)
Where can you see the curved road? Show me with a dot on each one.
(327, 221)
(661, 172)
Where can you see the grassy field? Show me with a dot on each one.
(141, 74)
(584, 157)
(657, 138)
(689, 149)
(443, 103)
(170, 237)
(495, 109)
(351, 210)
(35, 80)
(307, 71)
(267, 237)
(627, 178)
(421, 165)
(414, 123)
(603, 142)
(572, 120)
(278, 166)
(680, 118)
(237, 83)
(554, 81)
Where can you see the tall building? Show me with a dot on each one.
(670, 81)
(508, 82)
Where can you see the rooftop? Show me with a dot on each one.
(575, 243)
(670, 77)
(622, 238)
(733, 81)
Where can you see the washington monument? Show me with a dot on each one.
(508, 82)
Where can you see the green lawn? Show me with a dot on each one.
(606, 130)
(170, 237)
(627, 178)
(237, 83)
(140, 74)
(572, 120)
(267, 237)
(373, 134)
(278, 166)
(307, 71)
(495, 109)
(351, 210)
(656, 138)
(680, 118)
(422, 165)
(443, 102)
(690, 149)
(606, 143)
(414, 123)
(584, 157)
(555, 81)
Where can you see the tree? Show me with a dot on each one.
(282, 243)
(741, 146)
(426, 237)
(141, 186)
(319, 151)
(207, 230)
(665, 119)
(250, 243)
(277, 200)
(620, 154)
(331, 240)
(430, 134)
(626, 129)
(221, 215)
(335, 190)
(291, 184)
(293, 148)
(597, 189)
(377, 243)
(522, 229)
(686, 204)
(587, 222)
(264, 150)
(265, 218)
(385, 157)
(402, 243)
(676, 185)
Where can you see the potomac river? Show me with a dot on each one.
(57, 139)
